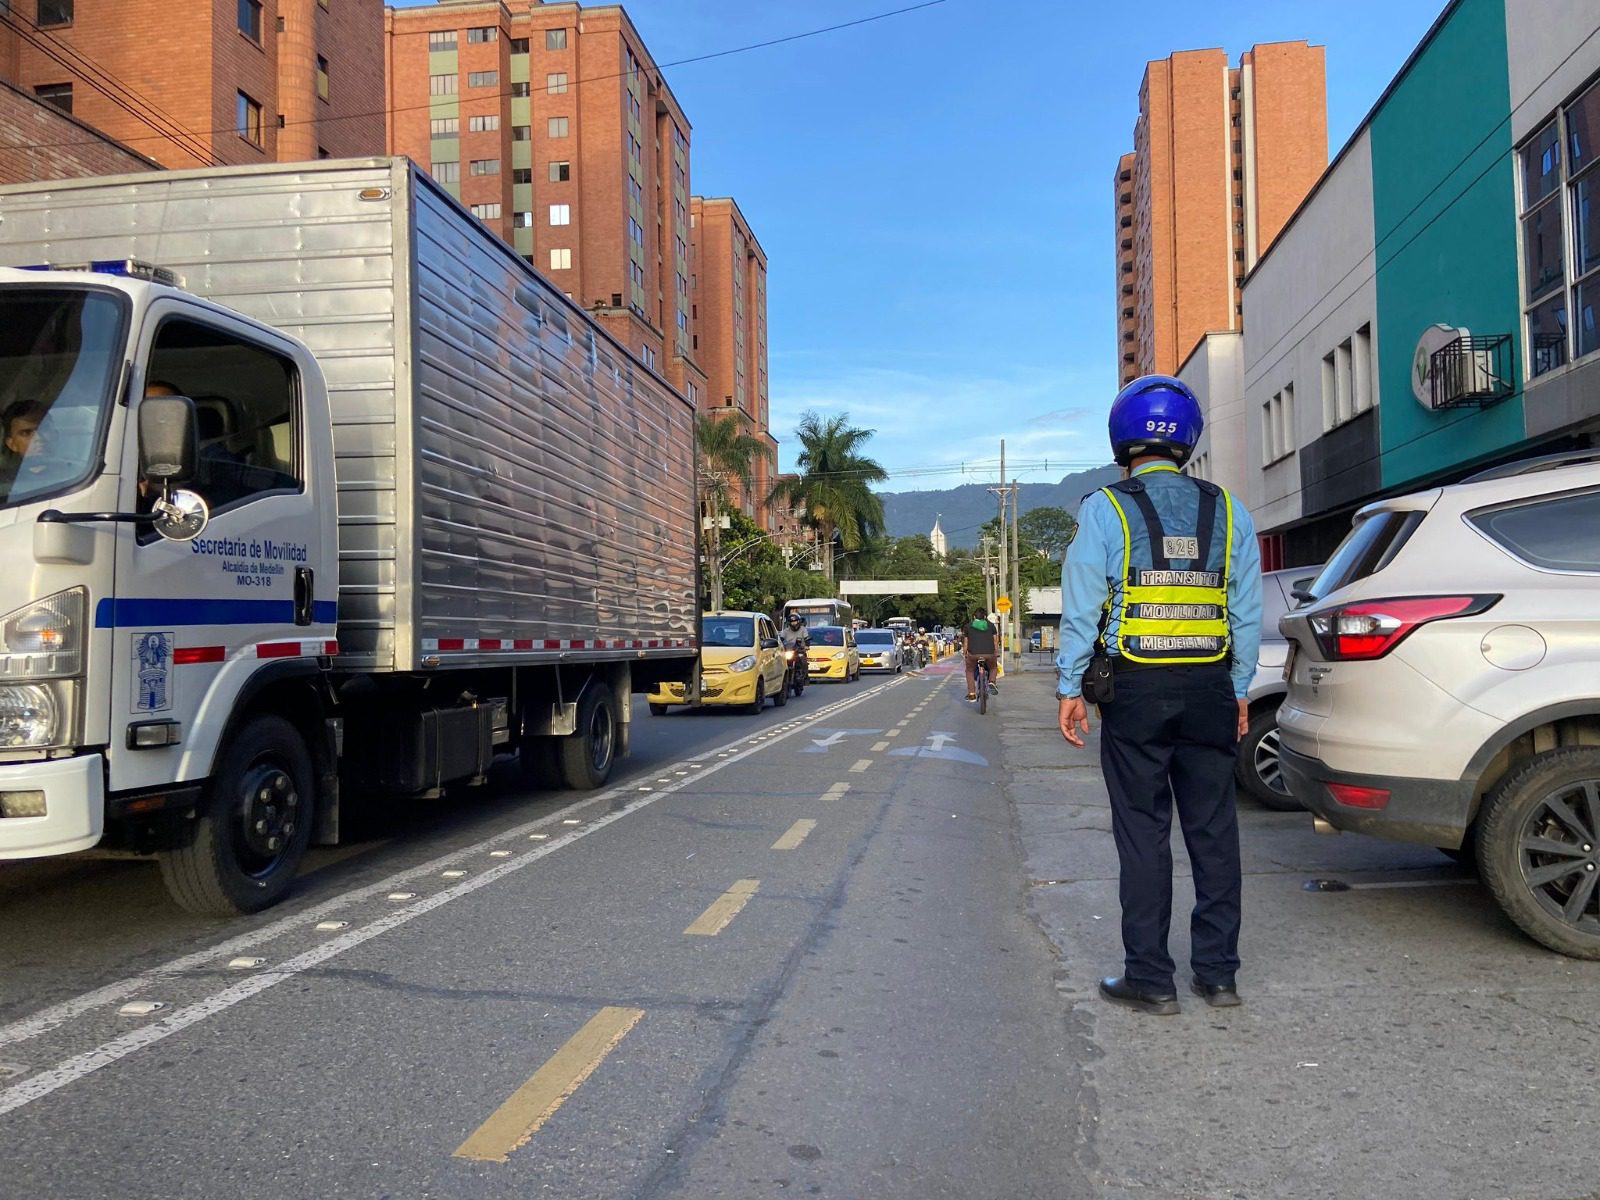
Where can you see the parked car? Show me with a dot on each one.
(741, 662)
(1444, 687)
(881, 650)
(833, 654)
(1257, 769)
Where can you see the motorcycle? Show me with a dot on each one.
(799, 668)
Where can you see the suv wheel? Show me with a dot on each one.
(1258, 770)
(1539, 848)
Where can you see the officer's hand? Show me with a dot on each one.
(1244, 719)
(1074, 719)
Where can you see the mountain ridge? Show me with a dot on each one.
(961, 511)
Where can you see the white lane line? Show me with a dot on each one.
(877, 746)
(860, 765)
(891, 733)
(835, 791)
(44, 1083)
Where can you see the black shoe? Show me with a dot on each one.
(1218, 995)
(1118, 990)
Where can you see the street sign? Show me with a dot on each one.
(1003, 604)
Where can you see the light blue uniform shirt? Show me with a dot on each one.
(1093, 567)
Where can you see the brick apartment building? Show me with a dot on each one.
(504, 103)
(729, 310)
(193, 83)
(1184, 244)
(38, 141)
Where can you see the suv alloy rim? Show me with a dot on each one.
(1268, 762)
(1559, 852)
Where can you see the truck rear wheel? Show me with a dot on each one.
(250, 834)
(589, 754)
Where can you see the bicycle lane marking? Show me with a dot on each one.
(36, 1087)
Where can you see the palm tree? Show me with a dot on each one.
(832, 484)
(726, 456)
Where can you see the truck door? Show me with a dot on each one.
(195, 621)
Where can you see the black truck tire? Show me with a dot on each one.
(253, 824)
(588, 755)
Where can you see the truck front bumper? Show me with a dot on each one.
(74, 791)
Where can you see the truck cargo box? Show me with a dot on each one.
(513, 485)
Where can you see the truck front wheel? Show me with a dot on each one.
(588, 755)
(250, 832)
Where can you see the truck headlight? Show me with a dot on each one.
(747, 663)
(45, 639)
(37, 716)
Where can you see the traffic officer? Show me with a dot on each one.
(1161, 607)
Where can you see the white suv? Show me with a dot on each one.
(1444, 686)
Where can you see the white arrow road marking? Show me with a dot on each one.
(940, 741)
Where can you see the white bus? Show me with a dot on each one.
(817, 612)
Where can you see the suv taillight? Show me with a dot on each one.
(1369, 629)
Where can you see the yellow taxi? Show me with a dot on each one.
(833, 653)
(741, 662)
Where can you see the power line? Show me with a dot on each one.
(95, 76)
(485, 95)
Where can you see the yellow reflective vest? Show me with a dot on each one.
(1173, 607)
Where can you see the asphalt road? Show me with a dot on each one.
(847, 948)
(786, 954)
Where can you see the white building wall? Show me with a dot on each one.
(1540, 34)
(1215, 374)
(1314, 289)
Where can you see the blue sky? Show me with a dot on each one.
(933, 192)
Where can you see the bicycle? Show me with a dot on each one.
(980, 675)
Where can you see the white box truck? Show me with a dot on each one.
(337, 493)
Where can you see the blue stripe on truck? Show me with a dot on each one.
(110, 613)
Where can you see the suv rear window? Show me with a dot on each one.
(1367, 549)
(1559, 533)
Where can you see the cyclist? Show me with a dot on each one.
(978, 643)
(1161, 589)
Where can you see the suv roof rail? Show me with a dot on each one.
(1544, 462)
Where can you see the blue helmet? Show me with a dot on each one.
(1155, 413)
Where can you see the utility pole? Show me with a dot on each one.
(1015, 614)
(988, 576)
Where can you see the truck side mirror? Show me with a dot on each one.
(168, 443)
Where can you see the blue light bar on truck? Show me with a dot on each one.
(127, 268)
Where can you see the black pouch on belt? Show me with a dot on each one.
(1099, 681)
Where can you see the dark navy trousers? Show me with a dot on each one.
(1170, 737)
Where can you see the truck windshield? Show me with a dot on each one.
(60, 354)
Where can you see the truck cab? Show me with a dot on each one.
(167, 563)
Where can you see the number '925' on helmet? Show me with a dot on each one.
(1155, 414)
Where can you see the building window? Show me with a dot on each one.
(522, 220)
(555, 39)
(444, 126)
(520, 91)
(250, 19)
(442, 85)
(519, 45)
(446, 172)
(322, 77)
(522, 175)
(1277, 426)
(247, 119)
(555, 83)
(1363, 397)
(558, 127)
(480, 34)
(483, 79)
(561, 214)
(483, 166)
(560, 260)
(522, 133)
(441, 39)
(560, 172)
(58, 95)
(486, 212)
(483, 124)
(54, 12)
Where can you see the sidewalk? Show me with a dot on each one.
(1394, 1042)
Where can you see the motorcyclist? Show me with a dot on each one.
(796, 637)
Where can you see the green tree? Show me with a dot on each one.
(727, 456)
(755, 575)
(834, 485)
(1048, 529)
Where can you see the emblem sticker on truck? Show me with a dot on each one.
(152, 672)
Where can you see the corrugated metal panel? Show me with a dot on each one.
(551, 473)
